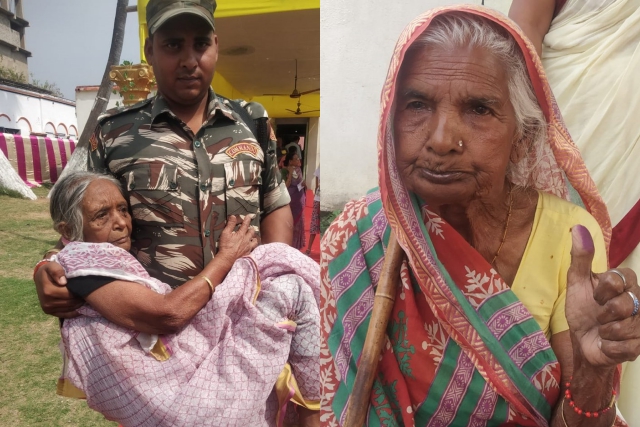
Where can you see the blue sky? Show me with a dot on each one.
(70, 40)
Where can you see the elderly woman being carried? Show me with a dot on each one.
(498, 318)
(207, 353)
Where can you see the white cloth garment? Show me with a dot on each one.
(591, 56)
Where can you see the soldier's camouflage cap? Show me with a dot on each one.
(159, 11)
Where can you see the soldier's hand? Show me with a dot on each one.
(234, 243)
(55, 298)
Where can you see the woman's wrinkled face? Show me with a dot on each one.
(445, 96)
(105, 215)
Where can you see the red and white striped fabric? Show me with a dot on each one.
(37, 159)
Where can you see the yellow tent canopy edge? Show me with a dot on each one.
(228, 8)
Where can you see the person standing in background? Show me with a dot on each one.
(591, 56)
(295, 143)
(314, 227)
(293, 177)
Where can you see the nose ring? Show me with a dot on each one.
(460, 143)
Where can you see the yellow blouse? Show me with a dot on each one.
(541, 280)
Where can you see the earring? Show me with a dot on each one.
(460, 143)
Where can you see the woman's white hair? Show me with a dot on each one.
(454, 30)
(65, 205)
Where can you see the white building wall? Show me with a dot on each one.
(358, 37)
(56, 113)
(313, 151)
(36, 110)
(84, 103)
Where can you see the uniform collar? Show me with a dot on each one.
(216, 104)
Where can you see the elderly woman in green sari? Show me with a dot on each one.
(498, 318)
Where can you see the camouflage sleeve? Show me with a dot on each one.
(255, 109)
(273, 191)
(96, 159)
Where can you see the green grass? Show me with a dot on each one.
(30, 361)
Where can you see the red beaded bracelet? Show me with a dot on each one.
(589, 414)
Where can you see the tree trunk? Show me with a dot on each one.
(78, 159)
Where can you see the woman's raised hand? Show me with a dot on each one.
(600, 307)
(234, 243)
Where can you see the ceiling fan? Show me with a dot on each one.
(295, 93)
(298, 112)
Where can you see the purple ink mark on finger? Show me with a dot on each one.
(581, 233)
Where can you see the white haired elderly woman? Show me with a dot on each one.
(207, 353)
(498, 318)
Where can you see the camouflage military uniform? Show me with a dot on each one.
(181, 186)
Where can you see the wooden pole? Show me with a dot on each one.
(376, 333)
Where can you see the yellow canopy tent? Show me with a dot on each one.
(276, 105)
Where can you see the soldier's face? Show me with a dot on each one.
(105, 215)
(183, 53)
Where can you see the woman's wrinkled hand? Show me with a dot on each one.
(234, 243)
(599, 307)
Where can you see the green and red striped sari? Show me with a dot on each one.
(461, 349)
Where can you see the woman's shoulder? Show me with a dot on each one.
(565, 213)
(79, 257)
(94, 249)
(345, 225)
(558, 216)
(357, 209)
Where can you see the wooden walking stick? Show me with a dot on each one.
(382, 306)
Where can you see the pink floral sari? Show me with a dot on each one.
(260, 328)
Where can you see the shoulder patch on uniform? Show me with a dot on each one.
(243, 147)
